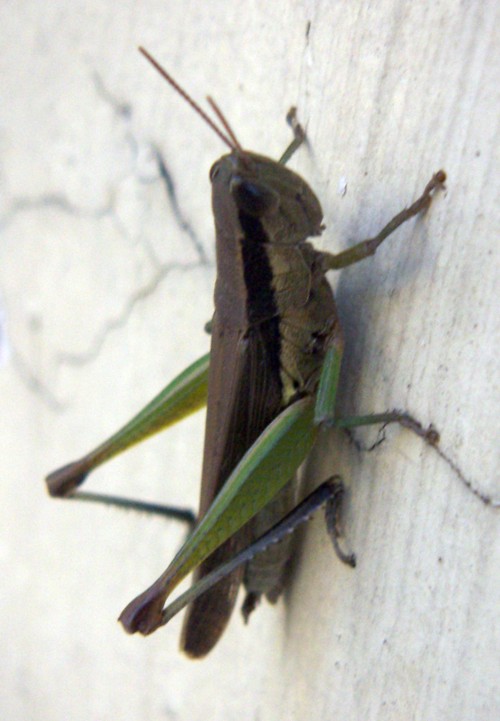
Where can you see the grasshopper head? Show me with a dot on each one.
(257, 187)
(269, 192)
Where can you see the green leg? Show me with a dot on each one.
(329, 494)
(324, 414)
(430, 435)
(333, 512)
(368, 247)
(184, 395)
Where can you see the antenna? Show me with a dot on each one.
(225, 123)
(229, 139)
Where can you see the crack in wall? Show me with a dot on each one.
(59, 201)
(124, 112)
(182, 221)
(53, 200)
(120, 321)
(35, 384)
(121, 108)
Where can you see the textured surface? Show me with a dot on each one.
(106, 283)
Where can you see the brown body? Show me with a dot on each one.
(274, 314)
(275, 318)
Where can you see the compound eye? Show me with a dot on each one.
(214, 171)
(253, 198)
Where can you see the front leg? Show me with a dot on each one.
(365, 248)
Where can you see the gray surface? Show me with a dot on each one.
(105, 294)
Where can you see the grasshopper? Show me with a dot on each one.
(269, 382)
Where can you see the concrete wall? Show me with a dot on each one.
(105, 286)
